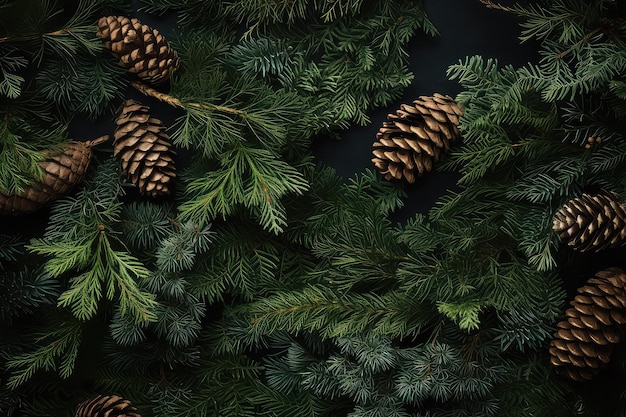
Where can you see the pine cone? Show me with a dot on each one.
(62, 171)
(414, 138)
(140, 49)
(585, 340)
(143, 147)
(592, 223)
(106, 406)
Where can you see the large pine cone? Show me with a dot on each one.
(585, 340)
(62, 171)
(106, 406)
(143, 147)
(414, 138)
(592, 223)
(141, 50)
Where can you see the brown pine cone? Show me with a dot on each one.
(416, 136)
(62, 171)
(592, 223)
(141, 50)
(106, 406)
(585, 340)
(143, 147)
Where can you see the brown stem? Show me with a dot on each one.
(97, 141)
(491, 5)
(34, 36)
(174, 102)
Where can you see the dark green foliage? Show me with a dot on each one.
(268, 285)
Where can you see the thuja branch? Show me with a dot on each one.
(174, 102)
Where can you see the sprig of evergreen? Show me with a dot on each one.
(57, 350)
(78, 240)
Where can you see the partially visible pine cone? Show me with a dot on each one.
(585, 341)
(106, 406)
(592, 223)
(143, 147)
(62, 171)
(416, 136)
(141, 50)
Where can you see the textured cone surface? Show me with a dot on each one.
(62, 171)
(106, 406)
(144, 149)
(592, 223)
(415, 137)
(584, 341)
(140, 49)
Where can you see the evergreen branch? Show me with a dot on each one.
(38, 32)
(11, 82)
(315, 309)
(61, 343)
(254, 178)
(20, 156)
(491, 5)
(174, 102)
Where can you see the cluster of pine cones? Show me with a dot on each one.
(140, 142)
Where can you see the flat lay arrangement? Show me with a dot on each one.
(272, 208)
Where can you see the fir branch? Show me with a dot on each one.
(318, 310)
(79, 240)
(22, 291)
(58, 352)
(38, 31)
(22, 148)
(178, 251)
(11, 246)
(254, 178)
(145, 224)
(116, 271)
(88, 85)
(10, 63)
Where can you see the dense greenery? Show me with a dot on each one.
(269, 285)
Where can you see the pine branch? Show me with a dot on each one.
(38, 31)
(79, 240)
(22, 148)
(250, 177)
(317, 309)
(58, 352)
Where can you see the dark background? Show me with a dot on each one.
(466, 28)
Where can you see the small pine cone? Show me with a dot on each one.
(141, 50)
(106, 406)
(592, 223)
(585, 340)
(62, 171)
(143, 147)
(414, 138)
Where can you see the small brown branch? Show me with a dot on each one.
(174, 102)
(582, 40)
(97, 141)
(34, 36)
(151, 92)
(491, 5)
